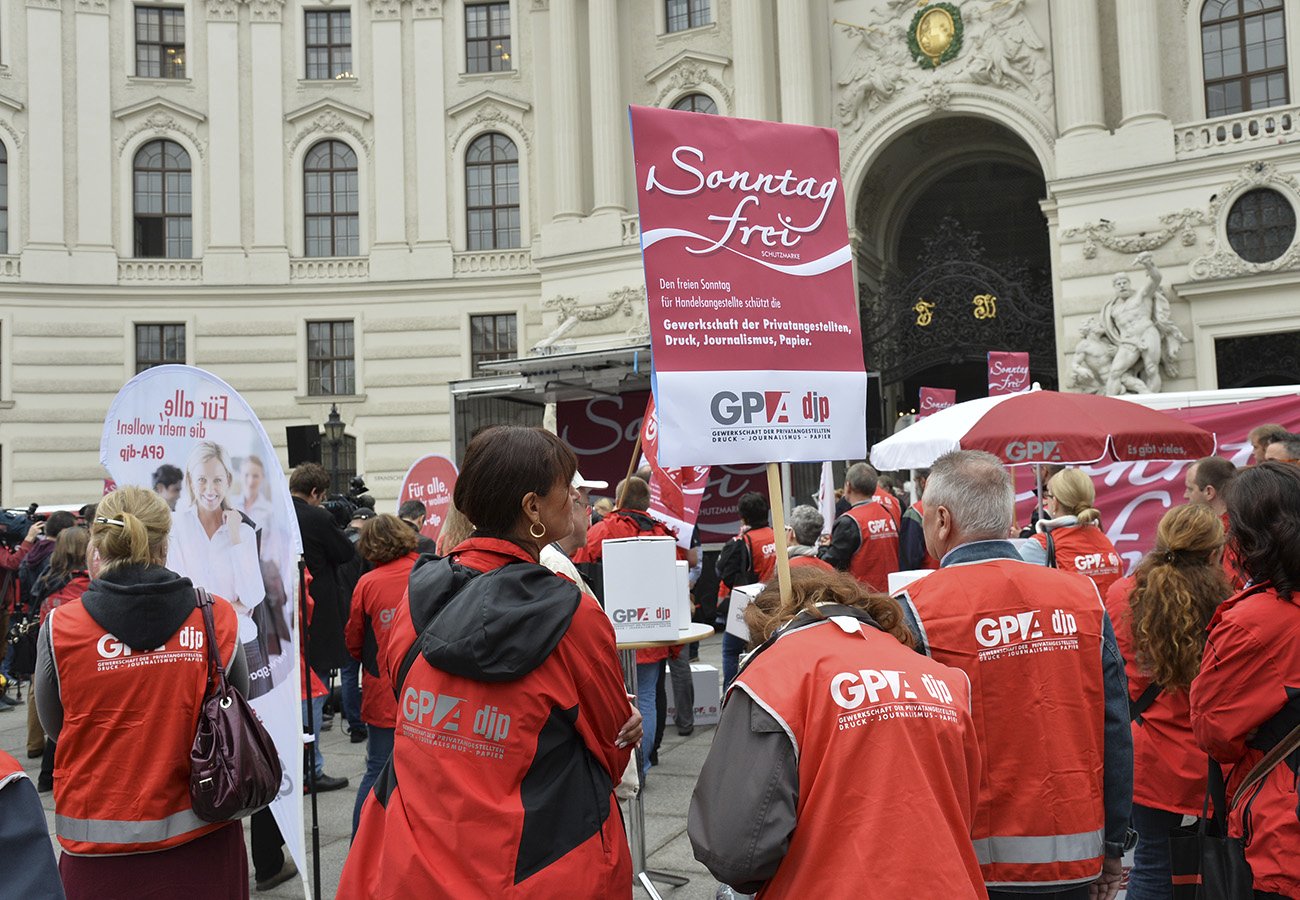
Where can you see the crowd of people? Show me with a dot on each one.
(1012, 720)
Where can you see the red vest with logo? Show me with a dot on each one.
(1030, 640)
(877, 555)
(762, 549)
(1086, 549)
(857, 706)
(122, 772)
(812, 562)
(889, 502)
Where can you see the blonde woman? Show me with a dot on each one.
(1072, 532)
(216, 548)
(121, 674)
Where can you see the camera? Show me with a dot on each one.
(15, 523)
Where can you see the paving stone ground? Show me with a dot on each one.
(667, 796)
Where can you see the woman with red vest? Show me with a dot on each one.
(388, 544)
(512, 724)
(861, 770)
(1160, 614)
(1245, 698)
(1072, 530)
(121, 674)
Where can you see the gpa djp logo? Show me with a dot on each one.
(766, 407)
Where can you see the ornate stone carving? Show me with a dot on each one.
(427, 9)
(328, 122)
(492, 114)
(1182, 223)
(266, 10)
(92, 6)
(541, 5)
(386, 9)
(13, 136)
(45, 4)
(1001, 50)
(1223, 262)
(161, 124)
(691, 74)
(1133, 344)
(222, 10)
(629, 302)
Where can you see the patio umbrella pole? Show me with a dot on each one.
(1038, 476)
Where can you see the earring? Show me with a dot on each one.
(532, 530)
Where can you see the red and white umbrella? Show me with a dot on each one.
(1042, 427)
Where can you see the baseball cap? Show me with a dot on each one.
(580, 482)
(362, 512)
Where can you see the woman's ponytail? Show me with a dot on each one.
(130, 528)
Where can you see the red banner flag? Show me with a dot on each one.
(933, 400)
(675, 493)
(1008, 373)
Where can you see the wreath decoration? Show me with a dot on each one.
(954, 47)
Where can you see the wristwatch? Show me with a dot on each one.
(1112, 849)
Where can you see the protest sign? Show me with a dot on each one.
(431, 480)
(1133, 496)
(1008, 373)
(675, 493)
(753, 315)
(191, 419)
(933, 400)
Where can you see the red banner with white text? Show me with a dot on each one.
(933, 400)
(1008, 373)
(677, 492)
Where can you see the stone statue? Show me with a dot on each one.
(875, 73)
(1092, 358)
(1138, 326)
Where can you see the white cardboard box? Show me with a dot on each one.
(641, 588)
(741, 597)
(708, 695)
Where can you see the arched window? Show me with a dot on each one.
(1243, 45)
(331, 223)
(162, 201)
(4, 199)
(700, 103)
(492, 193)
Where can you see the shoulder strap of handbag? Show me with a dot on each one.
(1137, 707)
(1051, 550)
(1280, 751)
(215, 673)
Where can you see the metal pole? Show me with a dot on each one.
(309, 739)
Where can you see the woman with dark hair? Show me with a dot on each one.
(1244, 701)
(513, 725)
(1160, 614)
(388, 544)
(843, 757)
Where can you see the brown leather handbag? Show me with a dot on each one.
(234, 767)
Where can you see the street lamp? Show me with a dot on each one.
(334, 429)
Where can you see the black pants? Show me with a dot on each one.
(1079, 892)
(266, 844)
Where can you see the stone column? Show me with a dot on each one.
(566, 120)
(1077, 47)
(268, 126)
(432, 175)
(224, 142)
(389, 146)
(608, 111)
(747, 41)
(44, 150)
(95, 154)
(794, 39)
(1139, 61)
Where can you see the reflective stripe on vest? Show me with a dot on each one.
(125, 831)
(1034, 850)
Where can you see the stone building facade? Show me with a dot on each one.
(363, 203)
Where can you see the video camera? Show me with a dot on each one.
(342, 506)
(15, 523)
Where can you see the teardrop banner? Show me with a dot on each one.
(431, 480)
(234, 532)
(753, 315)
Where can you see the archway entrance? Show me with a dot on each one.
(954, 261)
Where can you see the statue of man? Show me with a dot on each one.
(1136, 323)
(1092, 358)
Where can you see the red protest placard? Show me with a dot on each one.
(676, 492)
(431, 479)
(1008, 372)
(933, 400)
(753, 315)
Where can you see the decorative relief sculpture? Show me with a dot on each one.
(994, 46)
(1133, 344)
(1222, 261)
(1182, 223)
(630, 302)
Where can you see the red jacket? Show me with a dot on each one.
(1168, 767)
(1030, 639)
(10, 560)
(375, 601)
(858, 703)
(626, 523)
(503, 767)
(1250, 671)
(812, 562)
(1086, 549)
(70, 591)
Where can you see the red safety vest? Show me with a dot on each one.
(122, 772)
(856, 702)
(889, 502)
(877, 554)
(811, 562)
(10, 770)
(1030, 640)
(1086, 549)
(762, 550)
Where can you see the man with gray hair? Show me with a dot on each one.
(1048, 689)
(1283, 449)
(864, 541)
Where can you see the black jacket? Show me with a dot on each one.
(325, 549)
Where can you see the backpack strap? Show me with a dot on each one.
(1137, 707)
